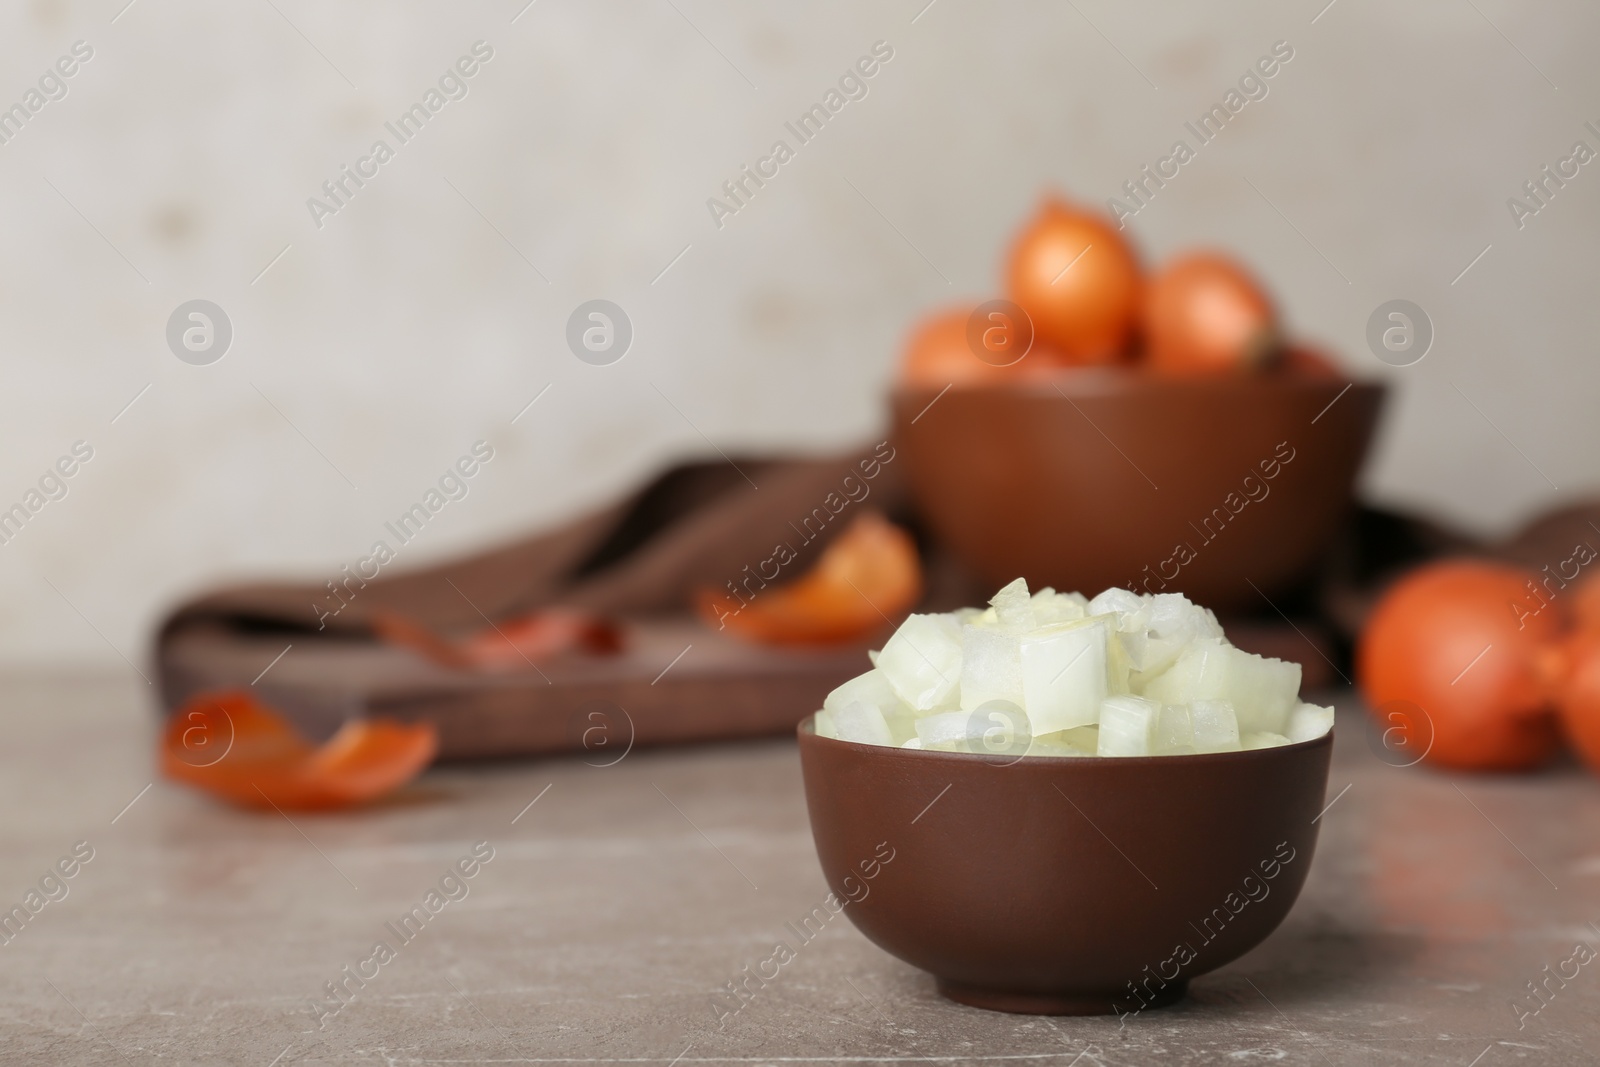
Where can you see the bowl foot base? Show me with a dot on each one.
(1031, 1003)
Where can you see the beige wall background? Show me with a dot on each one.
(370, 353)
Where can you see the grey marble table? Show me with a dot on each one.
(615, 906)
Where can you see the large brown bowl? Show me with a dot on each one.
(1064, 886)
(1093, 478)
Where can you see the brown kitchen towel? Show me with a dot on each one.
(639, 561)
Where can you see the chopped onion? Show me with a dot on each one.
(1051, 607)
(1308, 721)
(1056, 674)
(1079, 741)
(946, 728)
(861, 723)
(922, 662)
(870, 688)
(1064, 674)
(1216, 727)
(1013, 608)
(1262, 691)
(991, 667)
(1128, 726)
(1174, 731)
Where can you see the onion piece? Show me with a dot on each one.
(922, 662)
(1262, 691)
(991, 667)
(1064, 674)
(862, 723)
(1308, 722)
(1128, 726)
(1216, 727)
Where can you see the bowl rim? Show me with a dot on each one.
(1113, 381)
(807, 727)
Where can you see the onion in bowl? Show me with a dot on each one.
(1054, 674)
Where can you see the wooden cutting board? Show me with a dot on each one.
(676, 681)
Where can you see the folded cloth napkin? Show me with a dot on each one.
(638, 561)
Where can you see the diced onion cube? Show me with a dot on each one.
(1013, 608)
(1216, 727)
(902, 724)
(996, 728)
(1173, 624)
(1261, 690)
(1308, 722)
(1174, 731)
(991, 667)
(1086, 738)
(1079, 742)
(945, 728)
(1262, 740)
(1128, 726)
(870, 688)
(1064, 675)
(1051, 607)
(922, 662)
(1131, 609)
(861, 723)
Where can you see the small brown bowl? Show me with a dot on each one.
(1062, 886)
(1090, 478)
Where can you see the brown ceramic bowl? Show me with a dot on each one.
(1064, 886)
(1085, 479)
